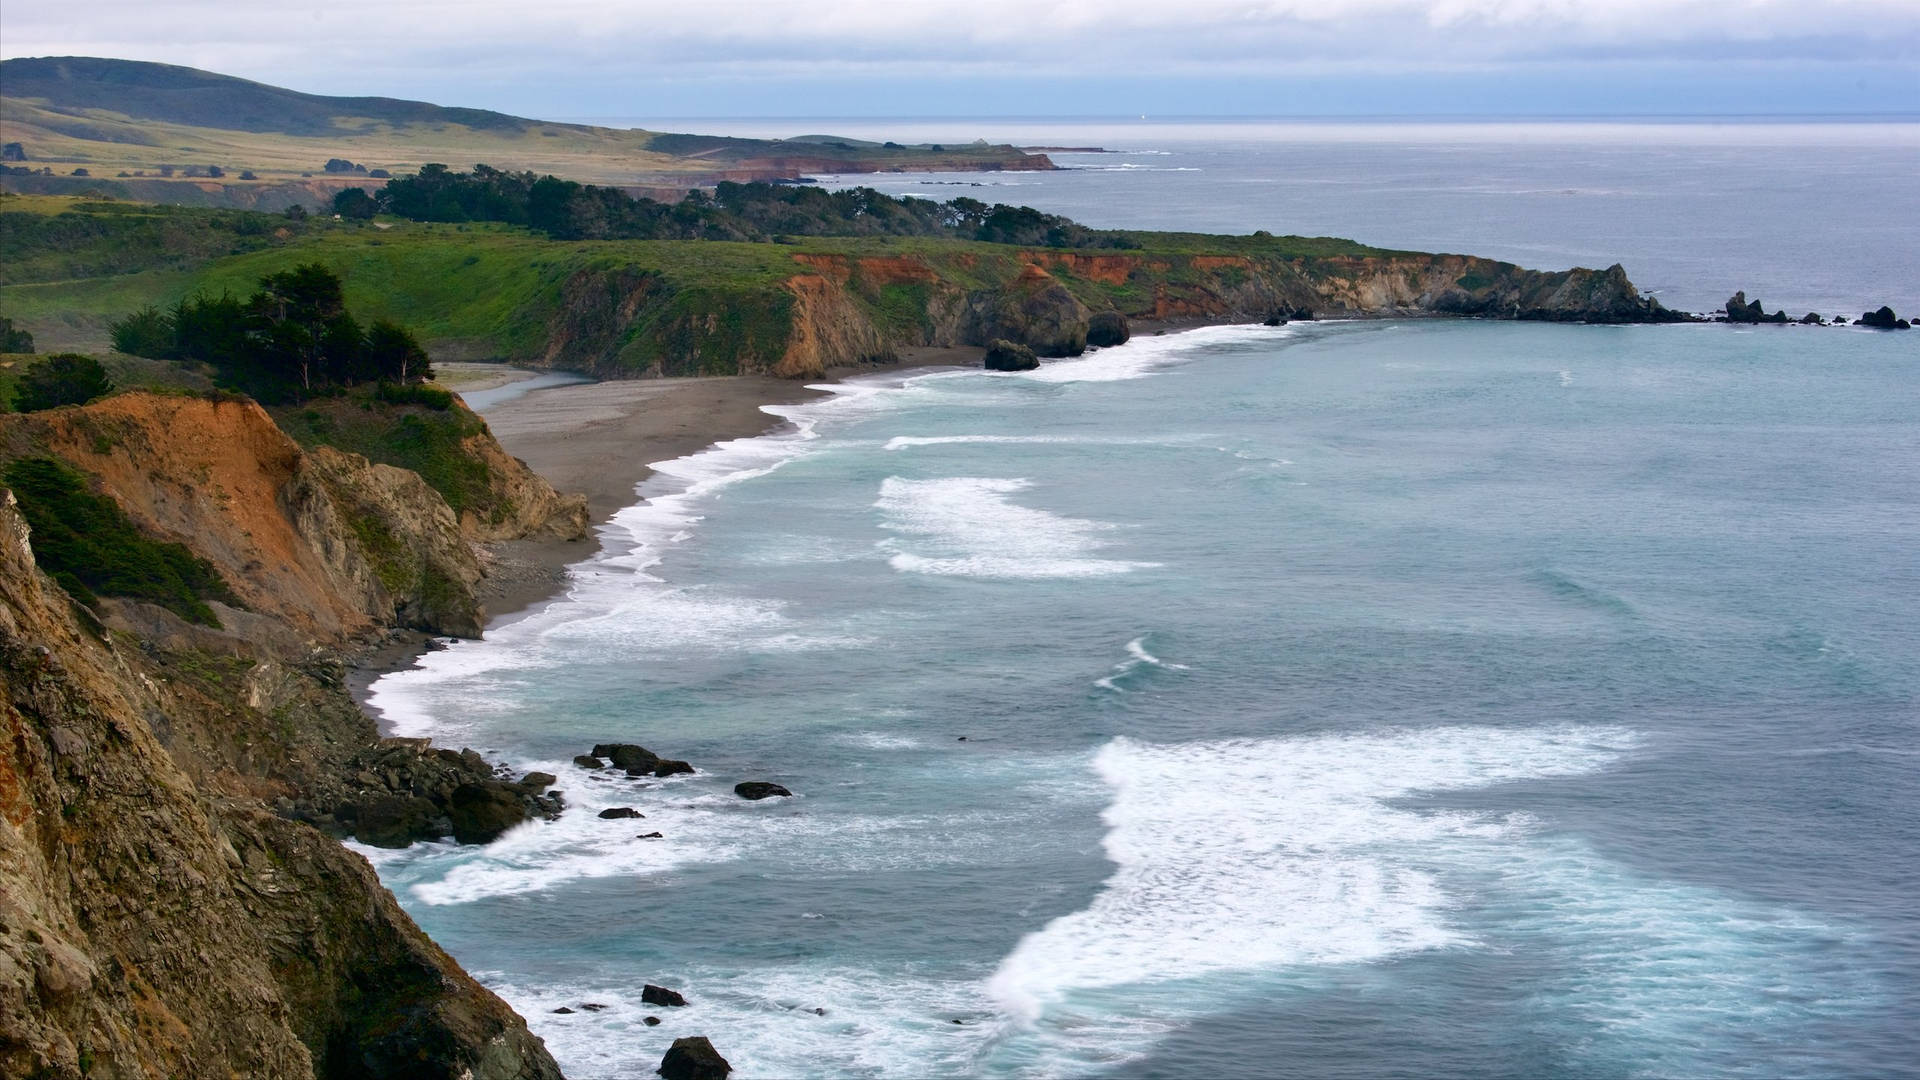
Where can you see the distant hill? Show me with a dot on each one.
(194, 98)
(157, 132)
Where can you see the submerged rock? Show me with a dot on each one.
(1105, 328)
(759, 789)
(693, 1058)
(1884, 319)
(613, 812)
(660, 995)
(1004, 355)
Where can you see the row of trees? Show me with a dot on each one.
(291, 340)
(567, 210)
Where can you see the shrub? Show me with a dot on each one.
(12, 340)
(61, 379)
(431, 397)
(87, 543)
(147, 332)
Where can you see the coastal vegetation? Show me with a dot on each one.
(88, 545)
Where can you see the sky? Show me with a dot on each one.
(586, 59)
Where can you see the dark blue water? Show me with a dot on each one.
(1431, 698)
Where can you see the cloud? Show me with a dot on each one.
(500, 52)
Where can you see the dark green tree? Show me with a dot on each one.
(147, 332)
(395, 355)
(12, 340)
(297, 321)
(61, 379)
(355, 204)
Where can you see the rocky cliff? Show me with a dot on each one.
(839, 309)
(161, 913)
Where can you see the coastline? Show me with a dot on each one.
(602, 439)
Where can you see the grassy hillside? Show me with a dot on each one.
(120, 116)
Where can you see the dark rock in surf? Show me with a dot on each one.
(479, 813)
(693, 1058)
(759, 789)
(651, 836)
(588, 761)
(660, 995)
(1739, 310)
(639, 761)
(1004, 355)
(395, 821)
(1812, 318)
(613, 812)
(564, 1011)
(1105, 328)
(1275, 319)
(651, 1021)
(535, 783)
(1884, 319)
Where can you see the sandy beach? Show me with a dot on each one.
(602, 439)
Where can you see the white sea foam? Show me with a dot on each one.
(1137, 658)
(969, 526)
(1143, 356)
(1250, 855)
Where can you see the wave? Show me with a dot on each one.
(1138, 658)
(1144, 356)
(968, 526)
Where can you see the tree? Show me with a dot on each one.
(297, 315)
(355, 204)
(147, 332)
(394, 354)
(12, 340)
(61, 379)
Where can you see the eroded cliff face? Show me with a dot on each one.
(839, 310)
(161, 914)
(149, 929)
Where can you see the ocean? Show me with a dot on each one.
(1340, 699)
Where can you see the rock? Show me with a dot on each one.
(594, 1006)
(536, 782)
(818, 1012)
(639, 761)
(1839, 320)
(1884, 319)
(613, 812)
(564, 1011)
(588, 761)
(1004, 355)
(1106, 328)
(759, 789)
(693, 1058)
(660, 995)
(1275, 319)
(651, 836)
(1812, 318)
(651, 1021)
(1740, 311)
(394, 821)
(479, 813)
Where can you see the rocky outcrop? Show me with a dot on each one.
(1884, 319)
(660, 995)
(759, 789)
(166, 907)
(693, 1058)
(640, 761)
(153, 928)
(1004, 355)
(1107, 328)
(1034, 310)
(1741, 310)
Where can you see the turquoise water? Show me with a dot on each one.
(1358, 699)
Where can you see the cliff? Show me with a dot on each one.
(162, 914)
(837, 309)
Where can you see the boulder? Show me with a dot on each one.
(1106, 328)
(639, 761)
(1884, 319)
(1740, 311)
(759, 789)
(479, 813)
(1004, 355)
(693, 1058)
(651, 836)
(660, 995)
(536, 782)
(1812, 318)
(588, 761)
(394, 821)
(1275, 319)
(612, 812)
(651, 1021)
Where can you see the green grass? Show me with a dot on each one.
(427, 440)
(88, 544)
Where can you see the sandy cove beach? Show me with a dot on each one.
(602, 439)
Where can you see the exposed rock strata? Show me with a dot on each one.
(158, 917)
